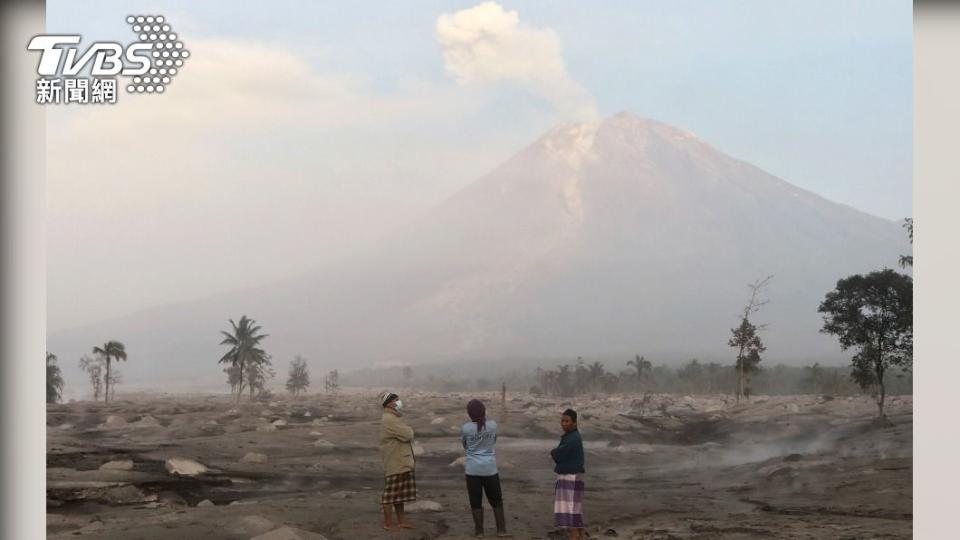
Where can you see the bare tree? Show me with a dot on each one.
(331, 383)
(234, 378)
(115, 378)
(94, 369)
(745, 337)
(298, 379)
(258, 373)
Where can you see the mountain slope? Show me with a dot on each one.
(622, 236)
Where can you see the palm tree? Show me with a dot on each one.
(110, 349)
(244, 342)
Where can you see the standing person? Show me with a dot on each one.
(479, 437)
(396, 451)
(568, 498)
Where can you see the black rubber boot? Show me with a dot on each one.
(501, 522)
(477, 522)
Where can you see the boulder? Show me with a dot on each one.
(254, 457)
(289, 533)
(204, 503)
(252, 525)
(322, 443)
(94, 526)
(418, 449)
(124, 495)
(184, 467)
(171, 498)
(148, 421)
(437, 421)
(783, 473)
(118, 465)
(280, 423)
(114, 421)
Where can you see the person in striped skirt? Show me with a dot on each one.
(568, 495)
(396, 452)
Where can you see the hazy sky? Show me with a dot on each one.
(295, 133)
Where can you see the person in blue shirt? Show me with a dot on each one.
(479, 438)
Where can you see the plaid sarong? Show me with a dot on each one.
(399, 488)
(568, 501)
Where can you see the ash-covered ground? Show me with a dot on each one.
(671, 466)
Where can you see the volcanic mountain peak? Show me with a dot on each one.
(575, 142)
(629, 122)
(613, 237)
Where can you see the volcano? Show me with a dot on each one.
(602, 240)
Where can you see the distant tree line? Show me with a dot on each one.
(595, 378)
(698, 378)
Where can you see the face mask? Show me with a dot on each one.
(399, 405)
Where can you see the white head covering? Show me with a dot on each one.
(386, 396)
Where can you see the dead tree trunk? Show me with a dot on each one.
(106, 394)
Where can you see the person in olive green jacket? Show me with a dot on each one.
(396, 451)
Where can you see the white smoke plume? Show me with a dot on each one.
(486, 43)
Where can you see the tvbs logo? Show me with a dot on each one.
(108, 58)
(150, 63)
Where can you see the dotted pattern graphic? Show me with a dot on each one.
(168, 53)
